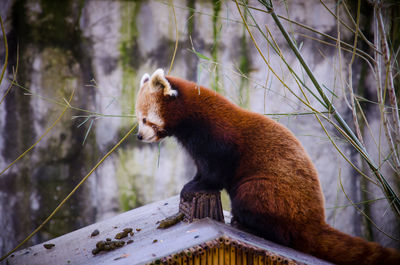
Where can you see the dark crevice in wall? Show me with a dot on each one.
(48, 180)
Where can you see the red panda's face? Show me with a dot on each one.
(153, 90)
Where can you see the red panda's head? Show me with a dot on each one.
(154, 93)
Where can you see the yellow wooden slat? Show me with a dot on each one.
(261, 259)
(196, 259)
(178, 260)
(232, 255)
(255, 259)
(269, 261)
(239, 256)
(209, 254)
(244, 257)
(227, 255)
(221, 254)
(215, 256)
(191, 258)
(266, 259)
(224, 251)
(185, 260)
(203, 258)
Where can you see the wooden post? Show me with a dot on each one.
(202, 205)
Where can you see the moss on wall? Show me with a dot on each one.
(130, 56)
(191, 4)
(130, 59)
(135, 177)
(127, 191)
(217, 27)
(49, 39)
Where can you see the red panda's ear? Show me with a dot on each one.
(144, 79)
(159, 82)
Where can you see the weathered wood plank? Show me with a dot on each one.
(202, 205)
(149, 243)
(76, 247)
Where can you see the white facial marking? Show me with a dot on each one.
(154, 117)
(147, 123)
(148, 133)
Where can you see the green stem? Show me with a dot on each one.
(6, 50)
(276, 49)
(391, 196)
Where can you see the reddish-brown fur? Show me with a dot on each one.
(273, 185)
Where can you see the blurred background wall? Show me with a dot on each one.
(101, 49)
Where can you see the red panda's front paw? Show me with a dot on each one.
(195, 188)
(188, 195)
(188, 191)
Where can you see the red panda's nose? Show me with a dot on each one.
(140, 137)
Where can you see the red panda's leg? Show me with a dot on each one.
(262, 226)
(262, 208)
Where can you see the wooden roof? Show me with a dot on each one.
(149, 243)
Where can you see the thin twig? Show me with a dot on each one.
(350, 82)
(364, 214)
(390, 83)
(348, 138)
(71, 193)
(6, 50)
(348, 27)
(341, 48)
(359, 52)
(176, 37)
(41, 137)
(373, 137)
(30, 93)
(344, 128)
(15, 71)
(380, 92)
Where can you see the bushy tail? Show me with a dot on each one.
(332, 245)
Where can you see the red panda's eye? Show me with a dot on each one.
(144, 120)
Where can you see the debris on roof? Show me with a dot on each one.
(203, 241)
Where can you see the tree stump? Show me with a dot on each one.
(203, 204)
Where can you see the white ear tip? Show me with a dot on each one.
(172, 93)
(145, 78)
(159, 71)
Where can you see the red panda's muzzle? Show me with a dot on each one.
(156, 135)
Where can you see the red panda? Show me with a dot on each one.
(273, 185)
